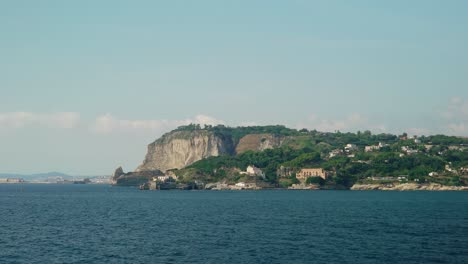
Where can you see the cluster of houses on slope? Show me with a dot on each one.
(375, 147)
(11, 180)
(350, 149)
(168, 180)
(335, 152)
(408, 151)
(302, 175)
(462, 170)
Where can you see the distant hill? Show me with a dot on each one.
(36, 176)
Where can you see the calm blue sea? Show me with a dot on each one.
(104, 224)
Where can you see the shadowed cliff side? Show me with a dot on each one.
(258, 142)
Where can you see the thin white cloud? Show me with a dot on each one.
(204, 120)
(418, 131)
(108, 124)
(352, 122)
(456, 117)
(249, 123)
(460, 129)
(15, 120)
(453, 120)
(457, 109)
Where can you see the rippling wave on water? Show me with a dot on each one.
(104, 224)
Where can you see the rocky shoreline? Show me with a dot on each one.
(408, 187)
(356, 187)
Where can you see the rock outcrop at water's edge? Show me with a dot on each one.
(133, 178)
(408, 187)
(119, 171)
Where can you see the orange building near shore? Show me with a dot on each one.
(311, 172)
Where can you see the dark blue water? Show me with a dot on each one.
(103, 224)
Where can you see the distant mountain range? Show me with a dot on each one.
(36, 176)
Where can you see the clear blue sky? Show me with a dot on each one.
(86, 85)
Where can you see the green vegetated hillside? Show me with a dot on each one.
(392, 156)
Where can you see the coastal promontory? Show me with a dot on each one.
(259, 157)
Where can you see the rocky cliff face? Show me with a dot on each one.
(258, 142)
(119, 171)
(179, 149)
